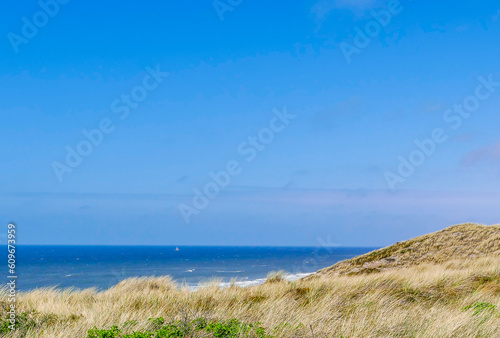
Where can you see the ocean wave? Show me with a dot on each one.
(254, 282)
(229, 271)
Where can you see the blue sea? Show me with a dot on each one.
(104, 266)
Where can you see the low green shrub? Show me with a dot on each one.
(232, 328)
(24, 321)
(102, 333)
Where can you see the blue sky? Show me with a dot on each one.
(324, 175)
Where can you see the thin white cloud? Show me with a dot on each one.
(487, 153)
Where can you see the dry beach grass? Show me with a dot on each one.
(453, 291)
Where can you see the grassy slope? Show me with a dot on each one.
(452, 298)
(461, 241)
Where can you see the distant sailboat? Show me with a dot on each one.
(176, 249)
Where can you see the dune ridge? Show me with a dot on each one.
(462, 241)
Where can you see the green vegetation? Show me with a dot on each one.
(179, 329)
(24, 321)
(481, 308)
